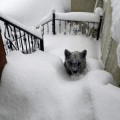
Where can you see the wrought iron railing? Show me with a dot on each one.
(20, 38)
(61, 22)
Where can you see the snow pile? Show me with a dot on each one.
(106, 100)
(30, 12)
(98, 11)
(116, 25)
(37, 87)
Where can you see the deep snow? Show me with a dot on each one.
(58, 43)
(106, 100)
(36, 86)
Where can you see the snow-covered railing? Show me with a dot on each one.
(73, 22)
(19, 37)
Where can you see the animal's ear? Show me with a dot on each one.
(67, 54)
(83, 53)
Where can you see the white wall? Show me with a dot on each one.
(29, 12)
(67, 5)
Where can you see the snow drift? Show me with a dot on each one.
(37, 87)
(58, 43)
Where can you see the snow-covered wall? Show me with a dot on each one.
(109, 46)
(116, 25)
(116, 20)
(29, 12)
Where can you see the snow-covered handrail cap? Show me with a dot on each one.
(99, 11)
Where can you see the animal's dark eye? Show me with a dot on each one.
(79, 63)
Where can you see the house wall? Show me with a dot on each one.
(109, 46)
(82, 5)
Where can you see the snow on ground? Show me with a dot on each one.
(58, 43)
(30, 12)
(106, 100)
(37, 87)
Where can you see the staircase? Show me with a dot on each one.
(20, 38)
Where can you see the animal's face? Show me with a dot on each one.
(75, 62)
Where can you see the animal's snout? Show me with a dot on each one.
(74, 67)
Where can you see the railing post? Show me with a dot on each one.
(42, 40)
(99, 27)
(42, 44)
(53, 22)
(3, 60)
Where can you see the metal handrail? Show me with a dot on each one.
(23, 29)
(26, 41)
(95, 32)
